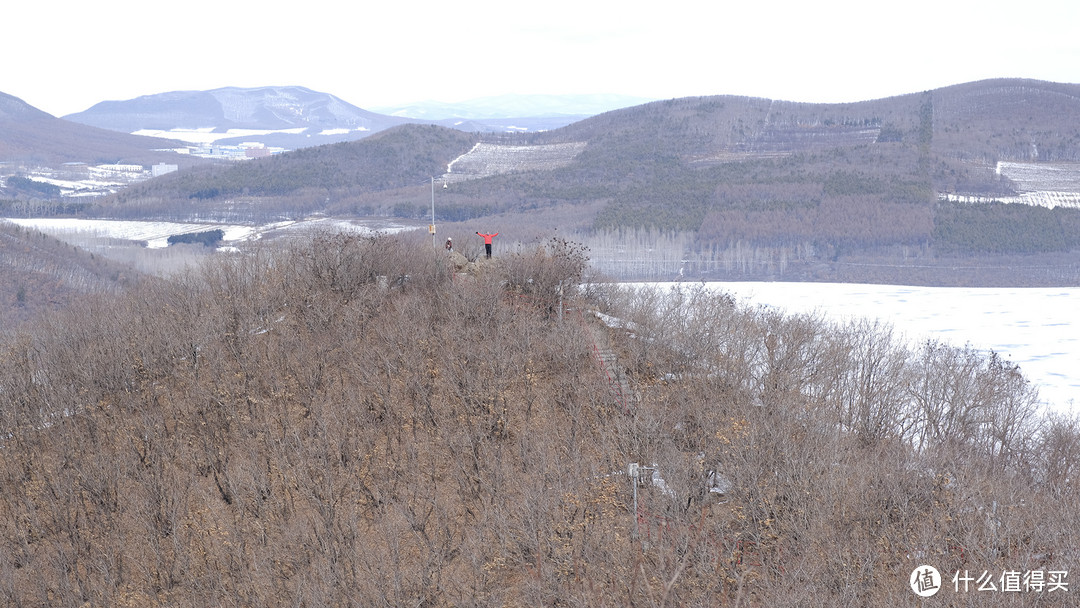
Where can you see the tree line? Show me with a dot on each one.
(206, 238)
(1005, 228)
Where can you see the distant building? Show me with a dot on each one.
(255, 150)
(162, 169)
(244, 151)
(118, 169)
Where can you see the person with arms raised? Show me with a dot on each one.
(487, 242)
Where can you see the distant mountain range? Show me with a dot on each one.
(746, 187)
(287, 117)
(296, 117)
(757, 188)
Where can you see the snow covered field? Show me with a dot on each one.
(1040, 184)
(156, 234)
(485, 160)
(1033, 177)
(209, 135)
(1045, 184)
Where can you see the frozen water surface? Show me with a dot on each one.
(1035, 328)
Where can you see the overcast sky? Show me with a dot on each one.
(63, 57)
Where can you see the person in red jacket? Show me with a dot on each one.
(487, 242)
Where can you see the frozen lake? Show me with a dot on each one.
(1036, 328)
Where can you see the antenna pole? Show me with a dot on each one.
(433, 212)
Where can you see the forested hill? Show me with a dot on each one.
(283, 428)
(796, 170)
(990, 120)
(335, 177)
(946, 140)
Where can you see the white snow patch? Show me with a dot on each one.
(155, 234)
(208, 135)
(342, 131)
(485, 159)
(1046, 184)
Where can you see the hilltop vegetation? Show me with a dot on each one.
(342, 421)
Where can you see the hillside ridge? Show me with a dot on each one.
(289, 426)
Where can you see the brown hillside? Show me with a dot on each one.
(43, 274)
(344, 422)
(30, 135)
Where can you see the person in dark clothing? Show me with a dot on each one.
(487, 242)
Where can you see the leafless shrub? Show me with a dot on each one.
(280, 427)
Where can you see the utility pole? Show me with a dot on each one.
(431, 228)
